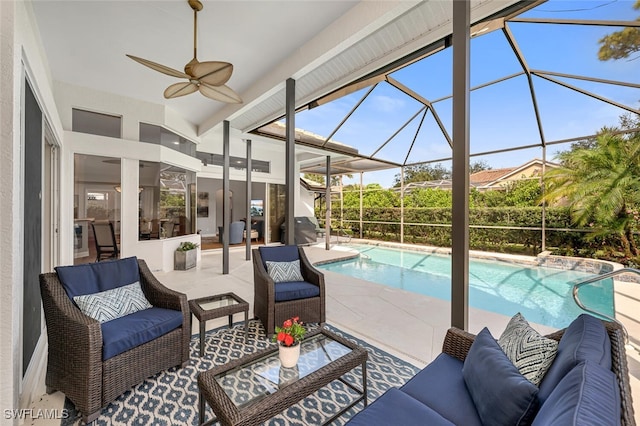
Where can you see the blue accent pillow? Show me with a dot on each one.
(586, 338)
(587, 396)
(279, 254)
(95, 277)
(501, 394)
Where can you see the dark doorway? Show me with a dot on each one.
(32, 232)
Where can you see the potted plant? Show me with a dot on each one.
(289, 337)
(185, 256)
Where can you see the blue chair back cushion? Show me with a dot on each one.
(395, 407)
(450, 397)
(587, 396)
(586, 338)
(295, 290)
(124, 333)
(278, 254)
(501, 394)
(91, 278)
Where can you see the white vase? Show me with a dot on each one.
(289, 355)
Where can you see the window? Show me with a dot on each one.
(96, 123)
(167, 201)
(160, 136)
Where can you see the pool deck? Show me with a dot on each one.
(407, 325)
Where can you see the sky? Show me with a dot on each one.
(501, 115)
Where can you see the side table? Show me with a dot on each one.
(220, 305)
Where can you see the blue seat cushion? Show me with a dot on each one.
(124, 333)
(395, 407)
(295, 290)
(90, 278)
(278, 254)
(587, 396)
(586, 338)
(500, 393)
(440, 386)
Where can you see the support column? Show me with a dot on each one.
(290, 154)
(543, 245)
(226, 197)
(248, 202)
(361, 203)
(460, 212)
(327, 198)
(402, 205)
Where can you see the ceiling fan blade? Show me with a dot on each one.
(213, 72)
(220, 93)
(159, 67)
(180, 89)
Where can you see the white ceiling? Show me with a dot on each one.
(86, 42)
(323, 44)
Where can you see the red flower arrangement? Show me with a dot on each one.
(291, 333)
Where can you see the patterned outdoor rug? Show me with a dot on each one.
(171, 397)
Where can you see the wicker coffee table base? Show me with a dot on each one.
(228, 414)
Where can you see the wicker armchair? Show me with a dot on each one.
(265, 306)
(75, 363)
(458, 342)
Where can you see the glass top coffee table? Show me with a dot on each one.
(254, 388)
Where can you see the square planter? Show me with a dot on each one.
(183, 260)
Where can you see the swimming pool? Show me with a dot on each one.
(542, 295)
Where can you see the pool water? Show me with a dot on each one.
(542, 295)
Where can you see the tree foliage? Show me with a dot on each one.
(601, 185)
(620, 44)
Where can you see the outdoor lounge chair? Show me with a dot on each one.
(94, 362)
(274, 302)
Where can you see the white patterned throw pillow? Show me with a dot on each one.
(115, 303)
(527, 349)
(281, 272)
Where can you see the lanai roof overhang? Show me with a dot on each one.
(347, 161)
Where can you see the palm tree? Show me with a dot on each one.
(601, 185)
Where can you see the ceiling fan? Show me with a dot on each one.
(207, 77)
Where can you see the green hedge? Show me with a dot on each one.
(489, 239)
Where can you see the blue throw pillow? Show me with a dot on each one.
(95, 277)
(586, 338)
(501, 394)
(587, 396)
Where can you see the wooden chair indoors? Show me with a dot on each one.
(105, 238)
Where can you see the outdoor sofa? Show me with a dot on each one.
(473, 382)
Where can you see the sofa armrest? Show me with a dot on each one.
(457, 343)
(163, 297)
(158, 294)
(75, 342)
(310, 273)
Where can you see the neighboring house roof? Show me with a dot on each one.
(484, 177)
(496, 177)
(490, 179)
